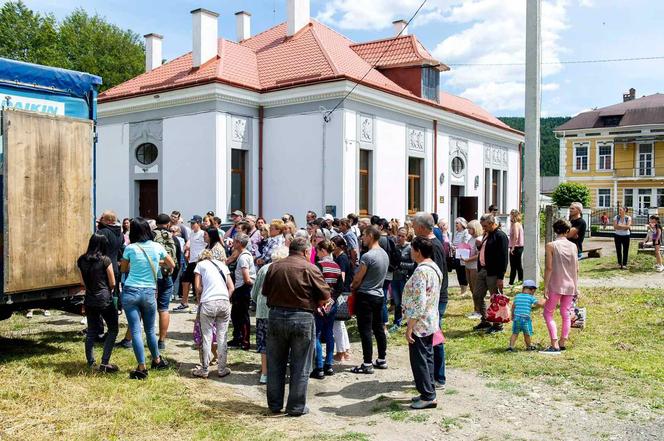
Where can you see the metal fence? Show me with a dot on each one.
(601, 220)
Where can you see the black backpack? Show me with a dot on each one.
(394, 254)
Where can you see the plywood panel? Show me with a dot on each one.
(48, 203)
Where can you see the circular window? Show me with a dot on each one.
(457, 166)
(146, 153)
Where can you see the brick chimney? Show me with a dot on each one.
(153, 43)
(630, 95)
(204, 35)
(243, 25)
(298, 15)
(400, 25)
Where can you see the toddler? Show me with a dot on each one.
(521, 309)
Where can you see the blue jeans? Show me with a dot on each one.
(386, 287)
(324, 328)
(141, 303)
(164, 293)
(397, 291)
(289, 332)
(439, 351)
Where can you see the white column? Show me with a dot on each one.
(531, 182)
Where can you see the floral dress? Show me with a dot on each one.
(420, 298)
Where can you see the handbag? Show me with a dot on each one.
(343, 309)
(499, 310)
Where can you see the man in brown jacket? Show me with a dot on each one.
(294, 289)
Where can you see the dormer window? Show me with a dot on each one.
(611, 120)
(430, 83)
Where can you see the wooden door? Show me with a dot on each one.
(468, 207)
(148, 199)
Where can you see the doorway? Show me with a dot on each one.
(468, 207)
(456, 192)
(148, 198)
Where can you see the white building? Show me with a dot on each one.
(241, 125)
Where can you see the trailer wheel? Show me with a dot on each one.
(5, 314)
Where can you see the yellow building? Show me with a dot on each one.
(618, 152)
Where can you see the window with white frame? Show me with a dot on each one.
(581, 156)
(660, 197)
(645, 160)
(604, 198)
(604, 156)
(628, 198)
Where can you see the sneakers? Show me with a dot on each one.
(108, 368)
(193, 310)
(225, 372)
(482, 325)
(393, 329)
(550, 351)
(124, 343)
(47, 313)
(84, 321)
(421, 404)
(659, 268)
(138, 374)
(474, 316)
(161, 345)
(234, 344)
(163, 364)
(438, 385)
(29, 314)
(181, 308)
(494, 329)
(327, 370)
(510, 349)
(200, 373)
(262, 379)
(317, 374)
(380, 364)
(534, 348)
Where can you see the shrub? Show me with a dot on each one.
(569, 192)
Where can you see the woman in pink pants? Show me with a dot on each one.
(560, 284)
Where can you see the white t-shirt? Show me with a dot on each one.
(244, 260)
(196, 245)
(214, 287)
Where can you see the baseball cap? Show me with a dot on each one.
(328, 217)
(196, 219)
(238, 213)
(530, 284)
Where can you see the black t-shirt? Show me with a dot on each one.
(97, 292)
(344, 263)
(439, 258)
(580, 226)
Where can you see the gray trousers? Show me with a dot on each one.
(483, 283)
(216, 312)
(289, 332)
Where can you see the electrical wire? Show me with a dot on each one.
(326, 117)
(606, 60)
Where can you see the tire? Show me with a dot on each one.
(5, 314)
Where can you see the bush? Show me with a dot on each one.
(569, 192)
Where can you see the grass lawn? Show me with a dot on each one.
(607, 265)
(619, 351)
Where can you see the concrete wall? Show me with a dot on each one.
(112, 185)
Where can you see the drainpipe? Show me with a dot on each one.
(521, 177)
(435, 165)
(261, 114)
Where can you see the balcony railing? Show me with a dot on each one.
(638, 172)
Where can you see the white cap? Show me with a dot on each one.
(328, 217)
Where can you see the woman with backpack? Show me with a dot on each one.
(142, 259)
(99, 280)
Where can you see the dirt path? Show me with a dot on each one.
(472, 407)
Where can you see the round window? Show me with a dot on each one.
(457, 166)
(146, 153)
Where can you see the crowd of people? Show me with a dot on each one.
(304, 283)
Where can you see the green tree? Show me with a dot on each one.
(569, 192)
(80, 42)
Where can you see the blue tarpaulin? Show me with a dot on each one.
(56, 80)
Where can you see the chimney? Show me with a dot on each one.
(152, 51)
(400, 25)
(205, 36)
(298, 15)
(243, 25)
(629, 96)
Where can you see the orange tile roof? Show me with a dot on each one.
(271, 60)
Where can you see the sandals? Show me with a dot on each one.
(378, 364)
(362, 369)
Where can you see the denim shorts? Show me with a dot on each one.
(522, 324)
(164, 293)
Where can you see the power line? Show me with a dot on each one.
(606, 60)
(327, 114)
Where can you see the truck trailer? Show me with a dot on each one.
(47, 159)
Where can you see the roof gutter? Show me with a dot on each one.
(261, 118)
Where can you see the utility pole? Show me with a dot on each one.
(531, 177)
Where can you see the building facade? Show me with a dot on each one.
(618, 151)
(267, 125)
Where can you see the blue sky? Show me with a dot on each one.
(455, 31)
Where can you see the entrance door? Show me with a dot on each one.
(455, 193)
(148, 199)
(468, 207)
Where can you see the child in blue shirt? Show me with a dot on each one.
(521, 309)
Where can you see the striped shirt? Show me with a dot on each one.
(523, 304)
(332, 275)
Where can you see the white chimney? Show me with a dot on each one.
(298, 15)
(205, 36)
(399, 26)
(152, 51)
(243, 25)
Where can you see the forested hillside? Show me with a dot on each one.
(549, 144)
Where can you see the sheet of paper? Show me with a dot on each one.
(462, 253)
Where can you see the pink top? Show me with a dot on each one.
(565, 263)
(514, 241)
